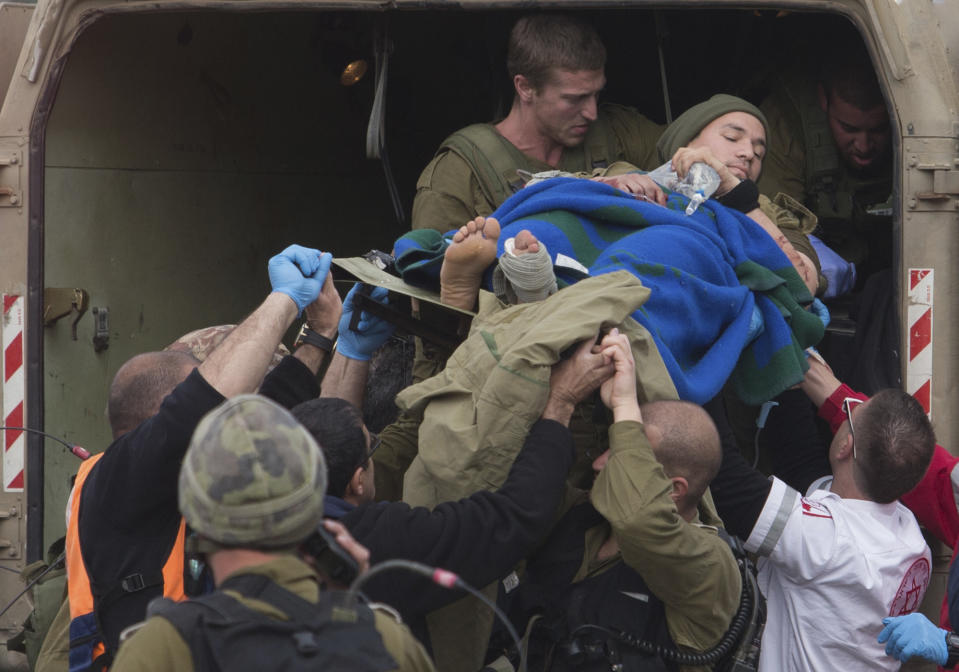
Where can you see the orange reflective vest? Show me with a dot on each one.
(87, 646)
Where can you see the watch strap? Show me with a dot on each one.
(952, 647)
(310, 337)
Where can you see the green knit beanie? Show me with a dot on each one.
(688, 125)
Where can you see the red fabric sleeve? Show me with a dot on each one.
(831, 410)
(934, 501)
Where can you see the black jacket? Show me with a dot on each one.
(128, 508)
(480, 538)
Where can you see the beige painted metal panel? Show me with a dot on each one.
(927, 105)
(14, 19)
(14, 22)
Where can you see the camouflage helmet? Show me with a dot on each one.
(252, 477)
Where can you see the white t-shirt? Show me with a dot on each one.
(831, 569)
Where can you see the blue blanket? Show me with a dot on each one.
(708, 272)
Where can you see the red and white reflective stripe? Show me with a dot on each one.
(919, 316)
(13, 391)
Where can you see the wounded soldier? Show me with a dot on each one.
(727, 299)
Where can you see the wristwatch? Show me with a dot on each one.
(309, 336)
(952, 646)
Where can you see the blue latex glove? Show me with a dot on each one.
(819, 308)
(299, 272)
(914, 635)
(840, 273)
(371, 332)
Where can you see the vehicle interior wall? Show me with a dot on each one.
(183, 149)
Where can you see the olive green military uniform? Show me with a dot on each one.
(803, 162)
(784, 165)
(686, 565)
(399, 444)
(451, 190)
(48, 593)
(478, 411)
(54, 655)
(158, 646)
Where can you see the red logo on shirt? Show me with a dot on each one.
(911, 589)
(814, 509)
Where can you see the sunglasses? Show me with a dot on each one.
(374, 444)
(847, 405)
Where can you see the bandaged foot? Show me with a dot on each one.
(470, 253)
(525, 271)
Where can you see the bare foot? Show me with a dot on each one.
(469, 255)
(525, 242)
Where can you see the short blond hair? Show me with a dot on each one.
(540, 43)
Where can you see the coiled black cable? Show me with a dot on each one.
(722, 649)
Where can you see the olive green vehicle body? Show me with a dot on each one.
(154, 154)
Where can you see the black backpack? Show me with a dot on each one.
(224, 634)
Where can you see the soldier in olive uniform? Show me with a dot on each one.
(640, 553)
(556, 64)
(251, 487)
(829, 149)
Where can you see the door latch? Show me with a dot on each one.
(101, 329)
(58, 302)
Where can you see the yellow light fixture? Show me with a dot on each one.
(353, 72)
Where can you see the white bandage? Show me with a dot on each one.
(523, 278)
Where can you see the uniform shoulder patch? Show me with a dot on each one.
(814, 509)
(912, 588)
